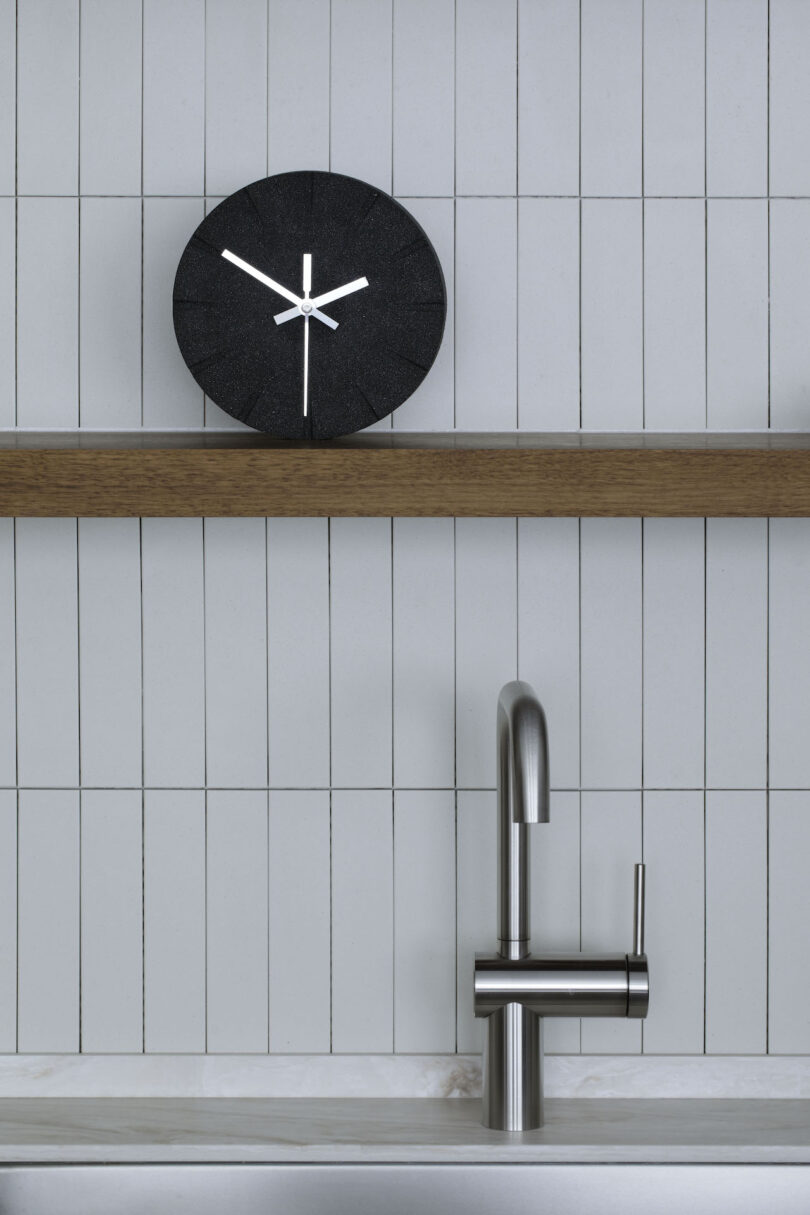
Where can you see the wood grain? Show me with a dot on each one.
(467, 476)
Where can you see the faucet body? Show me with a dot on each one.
(513, 989)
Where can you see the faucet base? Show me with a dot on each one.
(513, 1070)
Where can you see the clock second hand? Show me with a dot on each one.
(306, 308)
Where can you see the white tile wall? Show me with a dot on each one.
(227, 745)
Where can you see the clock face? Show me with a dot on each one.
(309, 305)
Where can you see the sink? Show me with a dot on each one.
(437, 1189)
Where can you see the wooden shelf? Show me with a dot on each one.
(118, 474)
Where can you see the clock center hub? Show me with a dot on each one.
(306, 308)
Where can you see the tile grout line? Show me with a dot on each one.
(643, 243)
(768, 568)
(80, 797)
(579, 521)
(17, 791)
(267, 748)
(705, 776)
(143, 799)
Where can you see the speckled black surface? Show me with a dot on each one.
(389, 332)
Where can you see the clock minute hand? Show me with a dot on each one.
(328, 297)
(277, 287)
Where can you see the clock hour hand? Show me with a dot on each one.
(277, 287)
(328, 297)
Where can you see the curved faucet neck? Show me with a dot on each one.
(523, 798)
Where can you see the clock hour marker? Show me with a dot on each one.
(364, 214)
(379, 416)
(407, 250)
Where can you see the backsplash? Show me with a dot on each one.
(247, 765)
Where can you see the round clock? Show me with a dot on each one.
(309, 305)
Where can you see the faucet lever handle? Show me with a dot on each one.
(638, 911)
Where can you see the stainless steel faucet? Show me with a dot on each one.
(514, 989)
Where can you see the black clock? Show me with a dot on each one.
(309, 305)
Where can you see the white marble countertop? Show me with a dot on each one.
(397, 1130)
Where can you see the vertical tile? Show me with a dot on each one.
(736, 652)
(111, 921)
(174, 921)
(361, 90)
(674, 652)
(48, 96)
(737, 314)
(299, 922)
(424, 658)
(555, 902)
(171, 397)
(790, 313)
(788, 914)
(8, 657)
(432, 406)
(235, 94)
(674, 86)
(548, 97)
(485, 331)
(8, 920)
(548, 633)
(47, 312)
(788, 33)
(214, 417)
(610, 620)
(298, 651)
(298, 85)
(486, 640)
(173, 96)
(736, 919)
(110, 651)
(737, 97)
(362, 921)
(111, 66)
(236, 921)
(476, 905)
(612, 322)
(611, 846)
(673, 851)
(361, 694)
(8, 91)
(788, 654)
(486, 96)
(611, 97)
(424, 921)
(48, 926)
(110, 313)
(47, 657)
(236, 652)
(8, 308)
(173, 652)
(424, 34)
(548, 314)
(674, 314)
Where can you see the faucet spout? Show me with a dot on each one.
(523, 798)
(523, 781)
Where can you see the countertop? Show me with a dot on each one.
(397, 1130)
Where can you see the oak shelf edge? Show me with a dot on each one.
(389, 474)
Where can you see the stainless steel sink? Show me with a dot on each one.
(380, 1189)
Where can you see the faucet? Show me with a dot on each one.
(513, 988)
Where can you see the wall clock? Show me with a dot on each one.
(309, 305)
